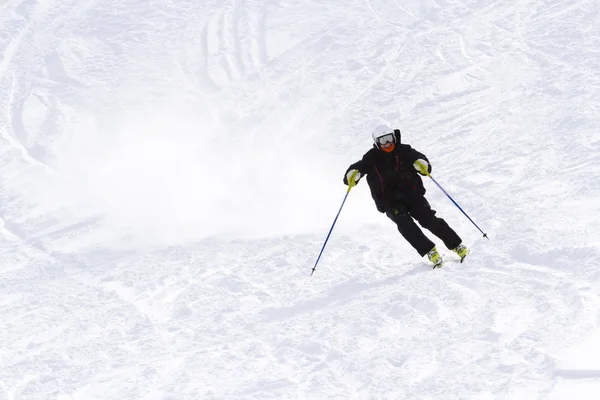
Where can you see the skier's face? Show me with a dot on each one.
(388, 147)
(386, 142)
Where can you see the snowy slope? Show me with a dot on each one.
(169, 171)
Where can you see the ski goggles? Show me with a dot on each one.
(385, 139)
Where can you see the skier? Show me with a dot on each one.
(392, 170)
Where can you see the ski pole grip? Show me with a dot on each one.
(351, 182)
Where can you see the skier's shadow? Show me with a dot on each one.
(337, 296)
(419, 269)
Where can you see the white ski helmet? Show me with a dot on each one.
(380, 131)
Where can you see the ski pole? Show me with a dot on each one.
(351, 184)
(456, 204)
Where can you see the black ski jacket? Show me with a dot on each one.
(391, 176)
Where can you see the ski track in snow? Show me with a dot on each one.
(137, 139)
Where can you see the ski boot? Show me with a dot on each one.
(435, 258)
(462, 251)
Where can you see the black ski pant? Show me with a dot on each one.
(402, 213)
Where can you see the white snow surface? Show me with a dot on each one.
(169, 171)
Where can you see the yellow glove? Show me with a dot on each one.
(352, 177)
(422, 167)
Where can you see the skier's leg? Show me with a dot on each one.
(409, 229)
(420, 210)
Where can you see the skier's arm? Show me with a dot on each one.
(361, 166)
(356, 167)
(422, 161)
